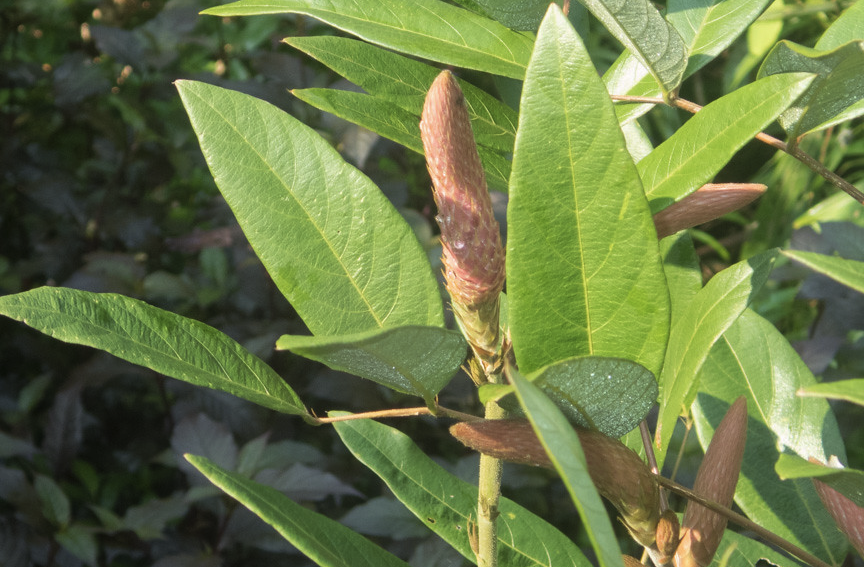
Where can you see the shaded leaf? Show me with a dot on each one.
(55, 503)
(847, 272)
(743, 551)
(323, 540)
(80, 541)
(849, 482)
(583, 269)
(413, 360)
(303, 483)
(849, 390)
(162, 341)
(435, 30)
(333, 243)
(384, 517)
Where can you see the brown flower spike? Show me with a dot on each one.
(473, 255)
(702, 528)
(848, 516)
(707, 203)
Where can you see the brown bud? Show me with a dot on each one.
(848, 516)
(702, 528)
(618, 473)
(667, 536)
(473, 255)
(630, 561)
(707, 203)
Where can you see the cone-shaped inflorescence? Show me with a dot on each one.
(473, 255)
(702, 529)
(848, 516)
(618, 473)
(707, 203)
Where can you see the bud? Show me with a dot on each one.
(667, 536)
(848, 516)
(702, 528)
(630, 561)
(618, 473)
(473, 255)
(707, 203)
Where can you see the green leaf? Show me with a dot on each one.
(708, 315)
(647, 35)
(395, 124)
(848, 27)
(162, 341)
(405, 82)
(523, 15)
(849, 482)
(849, 390)
(753, 359)
(698, 150)
(413, 360)
(562, 445)
(743, 551)
(448, 505)
(55, 503)
(683, 274)
(324, 541)
(435, 30)
(80, 541)
(583, 270)
(835, 96)
(847, 272)
(334, 245)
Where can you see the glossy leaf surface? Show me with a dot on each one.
(849, 482)
(332, 242)
(435, 30)
(448, 505)
(563, 447)
(160, 340)
(849, 390)
(324, 541)
(583, 269)
(755, 360)
(847, 272)
(698, 150)
(708, 315)
(413, 360)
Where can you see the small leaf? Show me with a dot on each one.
(835, 96)
(162, 341)
(384, 516)
(413, 360)
(55, 503)
(435, 30)
(849, 390)
(846, 28)
(335, 246)
(849, 482)
(847, 272)
(325, 541)
(563, 447)
(81, 542)
(742, 551)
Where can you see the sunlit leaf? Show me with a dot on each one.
(848, 390)
(847, 272)
(849, 482)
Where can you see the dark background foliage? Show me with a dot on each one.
(103, 188)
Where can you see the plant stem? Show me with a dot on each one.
(489, 493)
(793, 151)
(440, 411)
(765, 534)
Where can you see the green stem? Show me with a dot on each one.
(487, 501)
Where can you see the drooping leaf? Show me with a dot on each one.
(162, 341)
(395, 124)
(325, 541)
(755, 360)
(448, 505)
(847, 272)
(583, 269)
(413, 360)
(425, 28)
(563, 447)
(333, 243)
(835, 96)
(849, 390)
(709, 314)
(698, 150)
(849, 482)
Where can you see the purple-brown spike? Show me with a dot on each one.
(707, 203)
(848, 516)
(702, 529)
(473, 254)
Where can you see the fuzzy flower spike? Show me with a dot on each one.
(473, 255)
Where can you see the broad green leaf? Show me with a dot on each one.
(707, 28)
(448, 505)
(55, 503)
(848, 27)
(426, 28)
(683, 274)
(413, 360)
(850, 482)
(562, 445)
(404, 82)
(755, 360)
(395, 124)
(709, 314)
(160, 340)
(835, 96)
(583, 269)
(848, 390)
(326, 542)
(80, 541)
(847, 272)
(838, 207)
(742, 551)
(516, 14)
(647, 35)
(709, 139)
(332, 242)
